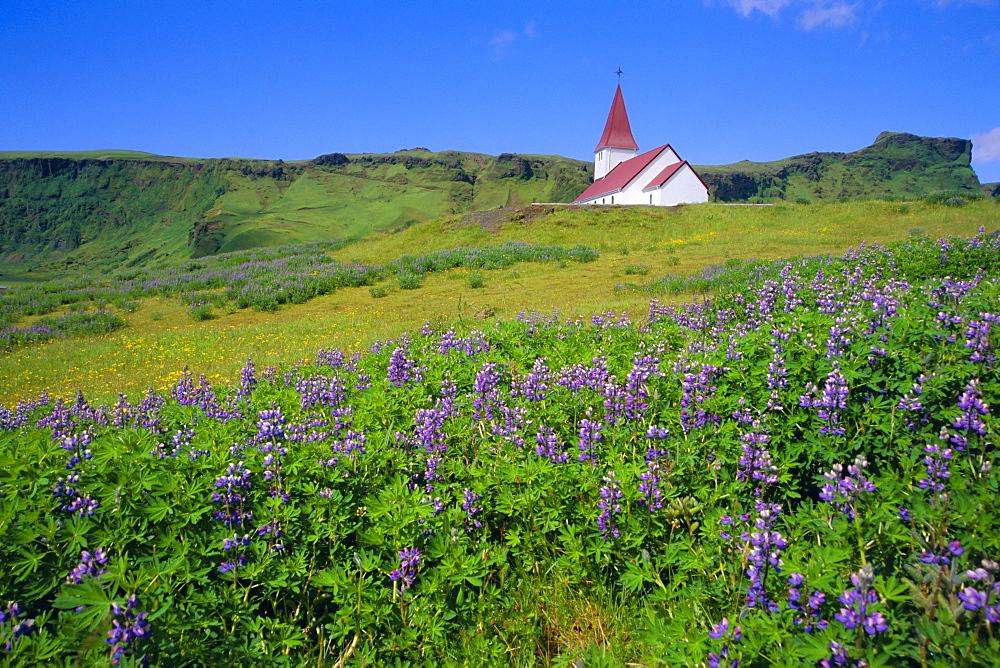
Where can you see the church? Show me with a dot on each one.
(623, 176)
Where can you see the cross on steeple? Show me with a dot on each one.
(619, 73)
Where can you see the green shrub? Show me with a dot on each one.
(379, 291)
(409, 280)
(636, 269)
(476, 279)
(200, 311)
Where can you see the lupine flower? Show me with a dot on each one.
(470, 501)
(127, 627)
(409, 562)
(89, 566)
(763, 548)
(10, 628)
(610, 506)
(842, 491)
(590, 437)
(549, 446)
(973, 407)
(755, 462)
(808, 612)
(235, 486)
(402, 371)
(721, 631)
(650, 479)
(856, 600)
(936, 463)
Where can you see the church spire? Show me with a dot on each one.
(617, 131)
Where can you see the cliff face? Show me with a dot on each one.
(61, 212)
(896, 165)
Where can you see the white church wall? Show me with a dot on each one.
(633, 192)
(684, 187)
(608, 158)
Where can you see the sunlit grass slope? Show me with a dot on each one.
(636, 244)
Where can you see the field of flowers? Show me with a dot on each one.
(262, 279)
(799, 471)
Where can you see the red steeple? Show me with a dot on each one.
(617, 131)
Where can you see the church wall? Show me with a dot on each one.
(633, 193)
(608, 158)
(684, 187)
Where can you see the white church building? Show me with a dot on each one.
(623, 176)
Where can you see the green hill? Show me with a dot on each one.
(103, 209)
(62, 211)
(897, 165)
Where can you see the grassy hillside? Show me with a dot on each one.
(636, 245)
(897, 165)
(107, 209)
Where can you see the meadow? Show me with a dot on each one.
(635, 246)
(780, 460)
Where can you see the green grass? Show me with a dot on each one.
(162, 338)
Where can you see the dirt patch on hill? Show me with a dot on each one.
(491, 220)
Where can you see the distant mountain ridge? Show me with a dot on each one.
(114, 208)
(897, 164)
(103, 209)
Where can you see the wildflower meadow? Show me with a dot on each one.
(797, 470)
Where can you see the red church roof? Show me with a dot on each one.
(617, 131)
(663, 176)
(621, 175)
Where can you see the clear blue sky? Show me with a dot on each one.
(721, 80)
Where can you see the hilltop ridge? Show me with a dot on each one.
(897, 164)
(62, 211)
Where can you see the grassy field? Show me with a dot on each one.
(636, 245)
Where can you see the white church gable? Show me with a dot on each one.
(658, 177)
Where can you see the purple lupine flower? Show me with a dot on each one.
(235, 486)
(721, 631)
(127, 627)
(409, 562)
(590, 438)
(843, 491)
(943, 558)
(936, 462)
(509, 428)
(839, 657)
(403, 371)
(610, 506)
(549, 446)
(832, 399)
(973, 407)
(89, 566)
(696, 388)
(536, 384)
(763, 548)
(808, 612)
(8, 617)
(470, 501)
(486, 394)
(650, 479)
(755, 463)
(856, 601)
(977, 337)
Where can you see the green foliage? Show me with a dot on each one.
(379, 291)
(81, 323)
(537, 541)
(106, 210)
(895, 166)
(636, 269)
(475, 279)
(200, 311)
(409, 280)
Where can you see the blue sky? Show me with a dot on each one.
(721, 80)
